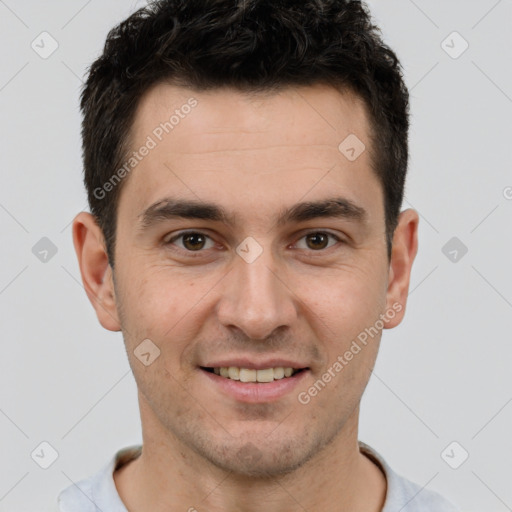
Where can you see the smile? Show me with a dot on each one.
(251, 386)
(253, 375)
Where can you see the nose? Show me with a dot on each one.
(256, 298)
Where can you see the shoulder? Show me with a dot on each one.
(78, 496)
(97, 492)
(406, 495)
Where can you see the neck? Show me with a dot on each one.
(169, 477)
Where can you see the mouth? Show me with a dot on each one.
(251, 375)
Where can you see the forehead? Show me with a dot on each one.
(230, 144)
(316, 114)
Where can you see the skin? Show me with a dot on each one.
(254, 155)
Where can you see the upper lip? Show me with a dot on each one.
(253, 364)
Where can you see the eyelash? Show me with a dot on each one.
(195, 254)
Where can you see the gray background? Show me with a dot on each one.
(442, 375)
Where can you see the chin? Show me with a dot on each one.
(267, 466)
(261, 458)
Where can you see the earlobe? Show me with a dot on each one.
(405, 247)
(95, 269)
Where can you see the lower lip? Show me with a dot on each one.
(254, 392)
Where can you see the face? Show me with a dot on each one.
(257, 279)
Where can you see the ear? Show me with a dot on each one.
(95, 269)
(404, 249)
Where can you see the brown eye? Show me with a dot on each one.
(319, 240)
(191, 241)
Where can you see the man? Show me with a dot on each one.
(245, 164)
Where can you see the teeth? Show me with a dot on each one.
(234, 373)
(278, 373)
(247, 375)
(251, 375)
(265, 375)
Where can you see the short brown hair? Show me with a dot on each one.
(251, 45)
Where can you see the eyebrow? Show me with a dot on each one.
(171, 208)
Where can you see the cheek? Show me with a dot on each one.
(155, 311)
(164, 305)
(152, 293)
(346, 302)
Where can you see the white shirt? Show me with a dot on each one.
(98, 493)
